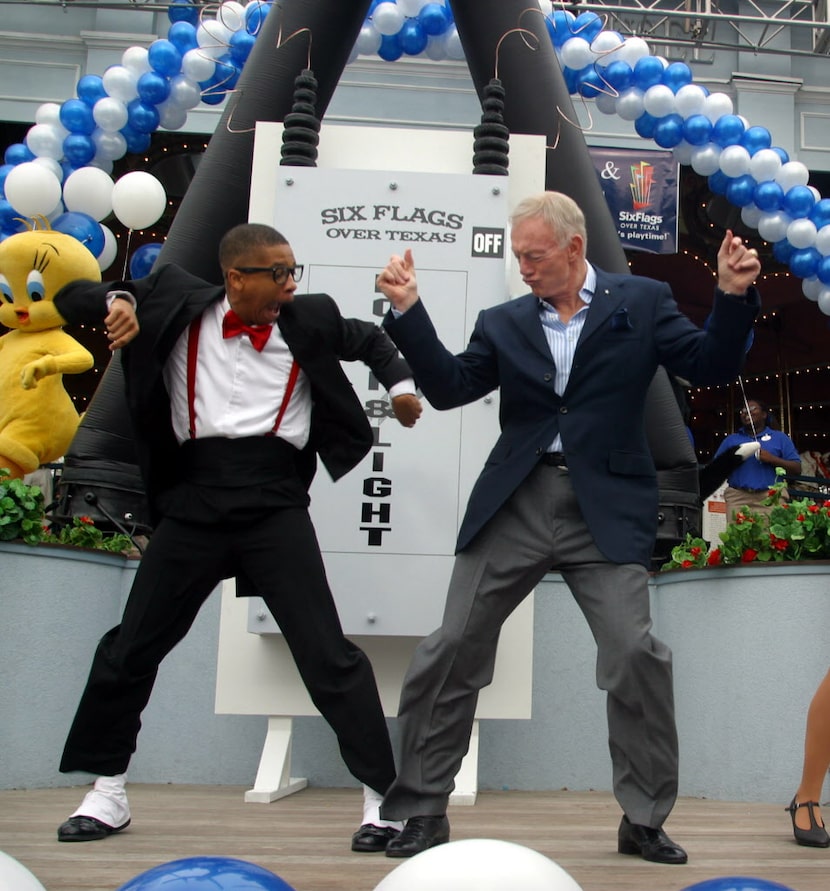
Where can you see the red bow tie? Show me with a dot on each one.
(232, 325)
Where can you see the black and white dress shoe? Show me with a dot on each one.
(649, 843)
(419, 834)
(371, 839)
(80, 829)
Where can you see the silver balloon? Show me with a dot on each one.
(110, 114)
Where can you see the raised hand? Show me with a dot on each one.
(738, 266)
(398, 281)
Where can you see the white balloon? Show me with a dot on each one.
(120, 83)
(136, 60)
(387, 18)
(811, 288)
(689, 100)
(793, 173)
(411, 8)
(823, 240)
(102, 164)
(171, 117)
(824, 301)
(606, 103)
(750, 215)
(453, 44)
(605, 43)
(816, 193)
(212, 37)
(231, 15)
(51, 164)
(109, 146)
(632, 50)
(197, 65)
(576, 53)
(658, 100)
(110, 114)
(107, 256)
(773, 226)
(89, 191)
(138, 199)
(630, 104)
(436, 48)
(32, 189)
(801, 233)
(478, 864)
(15, 877)
(706, 158)
(184, 92)
(368, 41)
(716, 105)
(683, 153)
(764, 164)
(546, 6)
(49, 113)
(734, 160)
(46, 141)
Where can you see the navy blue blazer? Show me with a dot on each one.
(633, 325)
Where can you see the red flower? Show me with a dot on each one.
(770, 492)
(826, 504)
(780, 544)
(686, 564)
(695, 552)
(801, 518)
(814, 508)
(714, 558)
(748, 555)
(87, 520)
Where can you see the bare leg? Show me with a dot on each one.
(816, 751)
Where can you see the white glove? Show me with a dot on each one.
(748, 449)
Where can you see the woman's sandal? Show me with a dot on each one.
(814, 837)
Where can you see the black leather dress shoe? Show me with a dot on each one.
(371, 839)
(78, 829)
(651, 844)
(419, 834)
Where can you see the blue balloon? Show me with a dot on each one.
(5, 169)
(822, 270)
(90, 89)
(390, 49)
(718, 182)
(78, 149)
(241, 43)
(728, 130)
(18, 153)
(737, 883)
(755, 139)
(141, 117)
(782, 154)
(136, 142)
(668, 131)
(648, 72)
(645, 124)
(9, 217)
(618, 75)
(76, 116)
(677, 75)
(183, 11)
(211, 94)
(206, 874)
(820, 214)
(697, 129)
(587, 25)
(769, 196)
(571, 80)
(434, 18)
(804, 262)
(226, 74)
(83, 227)
(412, 37)
(255, 13)
(740, 190)
(165, 58)
(183, 36)
(153, 88)
(589, 82)
(782, 251)
(143, 259)
(559, 26)
(798, 201)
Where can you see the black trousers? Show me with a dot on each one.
(277, 550)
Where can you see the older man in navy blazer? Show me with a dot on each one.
(570, 484)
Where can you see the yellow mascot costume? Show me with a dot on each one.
(37, 416)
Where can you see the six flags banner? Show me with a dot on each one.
(641, 190)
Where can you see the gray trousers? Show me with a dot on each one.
(540, 527)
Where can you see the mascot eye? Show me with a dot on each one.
(5, 289)
(34, 286)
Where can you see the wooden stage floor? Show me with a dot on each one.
(304, 838)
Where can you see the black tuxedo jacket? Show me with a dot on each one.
(633, 325)
(167, 301)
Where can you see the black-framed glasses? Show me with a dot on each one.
(278, 273)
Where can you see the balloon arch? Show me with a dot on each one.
(62, 168)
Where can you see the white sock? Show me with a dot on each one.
(371, 810)
(106, 801)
